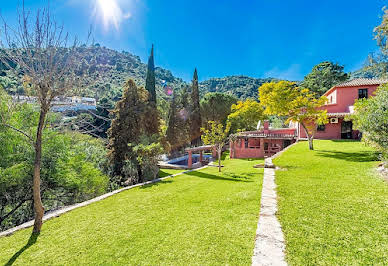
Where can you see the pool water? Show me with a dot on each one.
(185, 159)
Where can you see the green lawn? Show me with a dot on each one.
(202, 217)
(332, 205)
(167, 172)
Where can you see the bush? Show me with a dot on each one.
(371, 118)
(73, 170)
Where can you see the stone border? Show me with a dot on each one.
(281, 152)
(59, 212)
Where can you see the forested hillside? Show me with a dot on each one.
(242, 87)
(104, 71)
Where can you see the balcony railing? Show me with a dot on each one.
(269, 135)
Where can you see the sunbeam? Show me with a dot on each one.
(110, 12)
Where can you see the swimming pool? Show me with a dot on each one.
(183, 161)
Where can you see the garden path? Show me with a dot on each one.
(270, 245)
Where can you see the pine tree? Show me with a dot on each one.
(195, 118)
(125, 127)
(152, 123)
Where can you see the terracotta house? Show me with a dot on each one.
(340, 103)
(262, 143)
(341, 99)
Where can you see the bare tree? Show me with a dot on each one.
(40, 51)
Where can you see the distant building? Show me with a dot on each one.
(341, 99)
(62, 104)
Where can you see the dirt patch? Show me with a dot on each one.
(383, 170)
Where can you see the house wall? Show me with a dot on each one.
(332, 131)
(346, 97)
(255, 147)
(343, 97)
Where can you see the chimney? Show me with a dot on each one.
(266, 126)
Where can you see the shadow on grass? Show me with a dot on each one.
(345, 140)
(242, 175)
(31, 241)
(155, 184)
(350, 156)
(164, 174)
(215, 177)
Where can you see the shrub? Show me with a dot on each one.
(371, 118)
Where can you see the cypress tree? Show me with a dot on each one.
(150, 79)
(195, 118)
(171, 132)
(152, 123)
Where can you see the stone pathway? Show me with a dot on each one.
(269, 244)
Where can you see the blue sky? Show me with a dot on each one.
(263, 38)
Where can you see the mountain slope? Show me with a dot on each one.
(106, 70)
(242, 87)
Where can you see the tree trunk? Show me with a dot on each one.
(309, 137)
(219, 159)
(140, 173)
(311, 144)
(38, 206)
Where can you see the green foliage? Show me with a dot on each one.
(178, 130)
(195, 114)
(151, 117)
(150, 80)
(81, 177)
(277, 121)
(216, 136)
(129, 128)
(376, 65)
(371, 118)
(216, 106)
(245, 115)
(242, 87)
(323, 77)
(73, 165)
(148, 151)
(381, 32)
(126, 127)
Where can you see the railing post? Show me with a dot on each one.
(190, 160)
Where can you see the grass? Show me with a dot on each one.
(202, 218)
(167, 172)
(332, 205)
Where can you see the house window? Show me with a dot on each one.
(362, 93)
(321, 128)
(246, 143)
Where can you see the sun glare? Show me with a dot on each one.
(110, 13)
